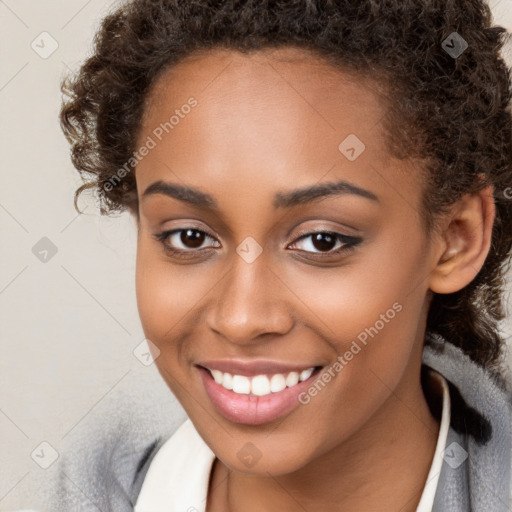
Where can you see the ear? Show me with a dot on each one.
(465, 242)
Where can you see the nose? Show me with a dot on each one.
(249, 302)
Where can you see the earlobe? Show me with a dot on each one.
(466, 242)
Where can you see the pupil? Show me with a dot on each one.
(195, 237)
(323, 241)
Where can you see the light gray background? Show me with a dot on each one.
(68, 326)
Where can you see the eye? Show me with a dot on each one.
(326, 242)
(184, 240)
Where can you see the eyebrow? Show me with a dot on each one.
(287, 199)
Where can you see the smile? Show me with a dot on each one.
(260, 385)
(260, 396)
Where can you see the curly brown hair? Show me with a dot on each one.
(451, 112)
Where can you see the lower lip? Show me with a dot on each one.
(251, 409)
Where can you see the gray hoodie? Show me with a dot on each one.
(108, 456)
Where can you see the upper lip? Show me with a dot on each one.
(253, 368)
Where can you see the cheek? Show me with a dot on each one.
(164, 299)
(378, 293)
(166, 293)
(372, 332)
(371, 323)
(364, 313)
(371, 314)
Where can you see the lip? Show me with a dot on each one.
(251, 409)
(253, 368)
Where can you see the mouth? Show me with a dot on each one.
(262, 384)
(256, 399)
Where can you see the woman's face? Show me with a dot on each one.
(235, 142)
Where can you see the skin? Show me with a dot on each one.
(271, 122)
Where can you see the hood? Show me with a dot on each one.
(476, 471)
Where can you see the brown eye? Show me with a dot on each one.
(325, 242)
(185, 240)
(192, 238)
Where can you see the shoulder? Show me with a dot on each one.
(104, 459)
(480, 430)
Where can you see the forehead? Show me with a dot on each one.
(272, 117)
(284, 77)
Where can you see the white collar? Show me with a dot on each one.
(178, 476)
(427, 497)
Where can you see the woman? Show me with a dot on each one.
(322, 196)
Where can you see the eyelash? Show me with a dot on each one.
(349, 243)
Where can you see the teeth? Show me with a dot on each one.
(277, 383)
(305, 374)
(241, 384)
(227, 381)
(217, 375)
(260, 385)
(292, 379)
